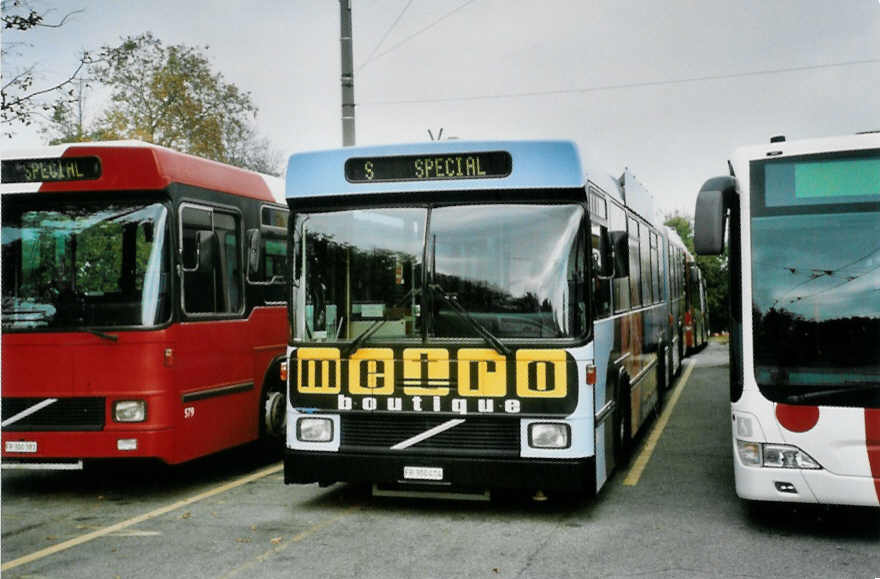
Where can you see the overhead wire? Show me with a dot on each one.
(609, 87)
(832, 288)
(385, 36)
(415, 34)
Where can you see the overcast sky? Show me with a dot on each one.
(668, 88)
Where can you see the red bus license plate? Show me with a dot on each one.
(21, 446)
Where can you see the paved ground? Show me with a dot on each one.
(681, 519)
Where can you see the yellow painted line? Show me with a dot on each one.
(281, 544)
(140, 519)
(638, 467)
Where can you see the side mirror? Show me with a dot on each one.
(710, 215)
(255, 251)
(620, 249)
(206, 248)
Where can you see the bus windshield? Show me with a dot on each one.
(462, 271)
(71, 266)
(815, 240)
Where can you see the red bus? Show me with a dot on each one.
(696, 316)
(143, 305)
(689, 310)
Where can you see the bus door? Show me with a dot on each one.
(213, 358)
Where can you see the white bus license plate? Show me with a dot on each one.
(422, 473)
(21, 446)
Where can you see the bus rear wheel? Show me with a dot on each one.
(622, 430)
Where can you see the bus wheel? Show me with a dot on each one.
(622, 434)
(274, 413)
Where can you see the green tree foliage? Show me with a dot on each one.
(170, 96)
(714, 270)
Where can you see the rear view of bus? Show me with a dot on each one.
(805, 285)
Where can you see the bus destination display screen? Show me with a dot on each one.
(483, 165)
(841, 178)
(58, 169)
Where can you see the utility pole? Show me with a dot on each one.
(347, 73)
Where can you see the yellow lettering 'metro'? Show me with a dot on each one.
(541, 374)
(318, 371)
(426, 372)
(481, 373)
(371, 372)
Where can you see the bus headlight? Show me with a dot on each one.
(130, 411)
(314, 429)
(549, 435)
(785, 456)
(749, 452)
(774, 455)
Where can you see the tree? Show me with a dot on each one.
(21, 96)
(714, 270)
(170, 96)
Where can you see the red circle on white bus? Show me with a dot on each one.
(797, 418)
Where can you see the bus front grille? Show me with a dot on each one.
(65, 414)
(476, 436)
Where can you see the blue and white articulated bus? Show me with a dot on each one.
(471, 315)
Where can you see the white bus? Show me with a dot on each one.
(805, 300)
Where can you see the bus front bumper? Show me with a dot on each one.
(58, 449)
(561, 475)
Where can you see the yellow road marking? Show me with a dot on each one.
(638, 467)
(140, 519)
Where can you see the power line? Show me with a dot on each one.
(609, 87)
(385, 36)
(832, 288)
(417, 33)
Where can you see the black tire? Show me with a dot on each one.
(622, 427)
(273, 412)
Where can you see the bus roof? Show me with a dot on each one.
(139, 166)
(533, 165)
(808, 146)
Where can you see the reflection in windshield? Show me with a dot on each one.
(516, 270)
(816, 299)
(513, 268)
(77, 266)
(360, 268)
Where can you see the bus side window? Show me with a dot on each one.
(601, 284)
(620, 283)
(211, 283)
(270, 253)
(231, 282)
(267, 255)
(647, 269)
(635, 272)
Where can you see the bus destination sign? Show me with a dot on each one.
(56, 169)
(482, 165)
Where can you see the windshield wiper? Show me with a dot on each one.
(830, 392)
(491, 338)
(374, 327)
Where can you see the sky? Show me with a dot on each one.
(667, 88)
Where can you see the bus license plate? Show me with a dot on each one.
(21, 446)
(422, 473)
